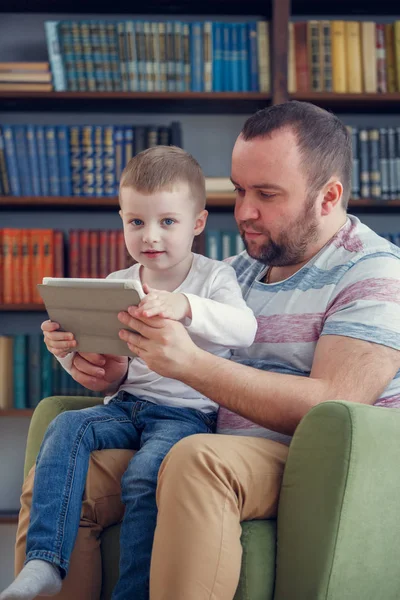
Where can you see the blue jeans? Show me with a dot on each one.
(61, 469)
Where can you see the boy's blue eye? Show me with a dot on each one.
(168, 221)
(137, 222)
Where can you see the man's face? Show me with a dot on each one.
(277, 218)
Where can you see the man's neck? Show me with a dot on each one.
(276, 274)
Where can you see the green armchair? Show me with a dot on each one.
(337, 536)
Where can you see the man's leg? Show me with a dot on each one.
(101, 508)
(207, 485)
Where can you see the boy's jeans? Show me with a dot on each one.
(61, 469)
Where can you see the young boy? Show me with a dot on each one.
(162, 198)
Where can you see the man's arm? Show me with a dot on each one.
(343, 369)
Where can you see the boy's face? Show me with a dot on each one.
(159, 228)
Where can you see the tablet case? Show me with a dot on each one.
(90, 312)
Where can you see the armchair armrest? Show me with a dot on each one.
(338, 515)
(44, 413)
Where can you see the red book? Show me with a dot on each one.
(36, 264)
(74, 253)
(113, 241)
(58, 254)
(301, 53)
(17, 266)
(7, 266)
(122, 259)
(84, 270)
(381, 58)
(26, 268)
(104, 253)
(94, 266)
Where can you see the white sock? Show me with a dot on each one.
(38, 577)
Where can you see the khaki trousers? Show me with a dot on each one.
(207, 485)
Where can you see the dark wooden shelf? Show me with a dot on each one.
(22, 308)
(167, 102)
(361, 102)
(16, 412)
(8, 517)
(76, 203)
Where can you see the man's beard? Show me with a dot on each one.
(291, 246)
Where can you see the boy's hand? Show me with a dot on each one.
(169, 305)
(59, 343)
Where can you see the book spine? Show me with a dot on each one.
(99, 187)
(105, 56)
(6, 190)
(326, 54)
(59, 267)
(84, 254)
(355, 174)
(381, 57)
(63, 152)
(67, 48)
(7, 266)
(112, 44)
(104, 253)
(76, 159)
(390, 58)
(21, 150)
(156, 58)
(384, 164)
(123, 63)
(55, 56)
(33, 160)
(2, 272)
(110, 184)
(234, 64)
(178, 55)
(353, 57)
(398, 160)
(122, 258)
(132, 74)
(197, 57)
(217, 57)
(397, 51)
(94, 254)
(368, 51)
(264, 82)
(148, 67)
(16, 250)
(113, 256)
(20, 356)
(338, 57)
(52, 160)
(186, 56)
(213, 244)
(364, 163)
(208, 56)
(128, 144)
(301, 52)
(314, 56)
(47, 253)
(375, 172)
(119, 151)
(141, 55)
(42, 159)
(85, 58)
(88, 160)
(73, 263)
(11, 160)
(26, 270)
(392, 163)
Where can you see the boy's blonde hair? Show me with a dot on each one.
(160, 167)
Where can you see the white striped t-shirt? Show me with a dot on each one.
(350, 288)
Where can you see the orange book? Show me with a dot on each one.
(36, 263)
(58, 258)
(301, 52)
(47, 253)
(338, 57)
(104, 254)
(73, 253)
(26, 269)
(84, 253)
(26, 87)
(94, 254)
(353, 57)
(24, 66)
(7, 266)
(113, 242)
(390, 58)
(17, 266)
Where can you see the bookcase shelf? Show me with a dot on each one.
(22, 308)
(167, 102)
(8, 517)
(361, 102)
(16, 412)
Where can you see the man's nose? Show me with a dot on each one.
(246, 210)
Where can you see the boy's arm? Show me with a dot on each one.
(224, 317)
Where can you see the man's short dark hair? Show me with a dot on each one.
(323, 140)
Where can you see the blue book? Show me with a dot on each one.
(46, 373)
(55, 55)
(128, 144)
(87, 142)
(243, 58)
(11, 160)
(68, 57)
(20, 371)
(33, 159)
(42, 160)
(52, 160)
(226, 58)
(119, 151)
(98, 160)
(217, 57)
(3, 167)
(35, 343)
(62, 132)
(196, 57)
(110, 184)
(213, 244)
(235, 61)
(253, 56)
(75, 134)
(178, 55)
(21, 150)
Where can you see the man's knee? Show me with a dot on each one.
(188, 455)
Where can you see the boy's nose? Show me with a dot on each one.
(150, 235)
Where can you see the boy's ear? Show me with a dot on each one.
(201, 221)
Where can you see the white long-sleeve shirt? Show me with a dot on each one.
(220, 321)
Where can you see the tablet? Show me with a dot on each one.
(89, 309)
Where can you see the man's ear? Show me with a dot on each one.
(332, 195)
(201, 221)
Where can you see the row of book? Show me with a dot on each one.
(159, 56)
(344, 56)
(29, 372)
(376, 163)
(61, 160)
(22, 76)
(28, 255)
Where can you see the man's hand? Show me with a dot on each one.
(164, 304)
(99, 372)
(163, 344)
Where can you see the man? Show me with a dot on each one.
(326, 291)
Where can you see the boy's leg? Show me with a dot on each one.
(161, 428)
(101, 508)
(207, 485)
